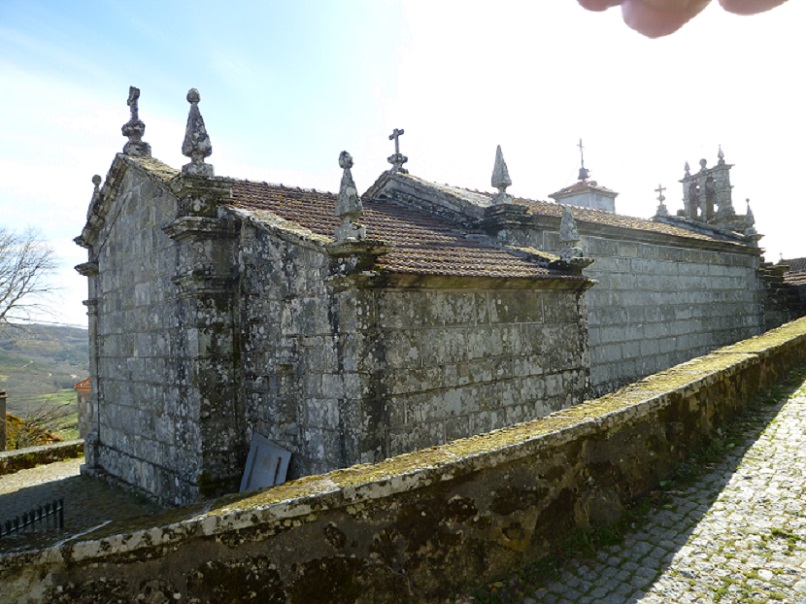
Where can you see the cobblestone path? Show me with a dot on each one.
(738, 535)
(88, 503)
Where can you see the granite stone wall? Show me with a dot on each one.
(347, 370)
(146, 433)
(422, 526)
(659, 299)
(446, 363)
(287, 345)
(657, 305)
(209, 325)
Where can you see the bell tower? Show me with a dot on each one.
(707, 193)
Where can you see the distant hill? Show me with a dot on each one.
(40, 360)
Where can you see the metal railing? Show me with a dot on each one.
(49, 516)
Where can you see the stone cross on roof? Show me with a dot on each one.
(135, 128)
(397, 160)
(583, 171)
(662, 210)
(348, 206)
(500, 179)
(197, 143)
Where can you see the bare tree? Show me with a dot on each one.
(40, 424)
(25, 263)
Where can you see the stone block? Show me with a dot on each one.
(626, 249)
(649, 347)
(457, 427)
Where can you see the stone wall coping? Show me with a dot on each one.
(154, 169)
(611, 231)
(297, 502)
(21, 459)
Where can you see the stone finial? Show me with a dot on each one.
(687, 169)
(135, 128)
(96, 194)
(569, 237)
(662, 209)
(500, 179)
(749, 221)
(349, 207)
(720, 156)
(703, 164)
(197, 144)
(398, 159)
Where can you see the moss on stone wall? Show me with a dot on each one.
(420, 526)
(21, 459)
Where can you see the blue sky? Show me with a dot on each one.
(286, 85)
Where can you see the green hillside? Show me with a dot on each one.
(39, 365)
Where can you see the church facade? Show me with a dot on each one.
(347, 328)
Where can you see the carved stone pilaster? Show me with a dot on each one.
(207, 346)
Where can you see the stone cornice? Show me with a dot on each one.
(372, 280)
(200, 226)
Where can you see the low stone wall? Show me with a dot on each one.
(420, 526)
(29, 457)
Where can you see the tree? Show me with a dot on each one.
(25, 263)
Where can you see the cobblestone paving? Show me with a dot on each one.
(88, 503)
(736, 536)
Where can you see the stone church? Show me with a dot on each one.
(347, 328)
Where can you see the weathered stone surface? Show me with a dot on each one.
(135, 128)
(348, 206)
(196, 144)
(19, 459)
(500, 179)
(210, 327)
(421, 526)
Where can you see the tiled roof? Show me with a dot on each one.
(582, 215)
(582, 185)
(796, 279)
(796, 274)
(550, 208)
(420, 243)
(795, 265)
(83, 386)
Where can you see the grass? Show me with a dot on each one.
(790, 538)
(49, 415)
